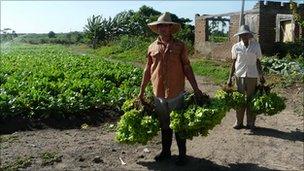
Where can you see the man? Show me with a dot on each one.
(166, 68)
(247, 70)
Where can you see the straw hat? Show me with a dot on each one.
(243, 30)
(165, 19)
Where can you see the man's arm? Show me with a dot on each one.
(191, 78)
(146, 78)
(232, 70)
(189, 72)
(258, 64)
(259, 67)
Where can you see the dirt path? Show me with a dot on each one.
(276, 145)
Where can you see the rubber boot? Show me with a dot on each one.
(166, 136)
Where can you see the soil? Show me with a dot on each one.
(276, 144)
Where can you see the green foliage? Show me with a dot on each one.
(41, 81)
(137, 125)
(49, 158)
(231, 98)
(126, 49)
(7, 34)
(19, 163)
(293, 50)
(94, 30)
(61, 38)
(131, 23)
(218, 72)
(8, 138)
(197, 120)
(267, 103)
(218, 39)
(216, 31)
(292, 71)
(298, 17)
(51, 34)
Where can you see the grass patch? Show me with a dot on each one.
(126, 49)
(8, 138)
(20, 162)
(217, 71)
(49, 158)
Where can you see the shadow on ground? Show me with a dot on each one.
(270, 132)
(57, 121)
(200, 164)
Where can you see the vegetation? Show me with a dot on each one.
(100, 30)
(292, 71)
(51, 34)
(296, 13)
(42, 81)
(216, 31)
(126, 49)
(7, 34)
(295, 49)
(195, 120)
(94, 30)
(47, 80)
(20, 162)
(218, 38)
(217, 71)
(8, 138)
(61, 38)
(49, 158)
(267, 103)
(138, 124)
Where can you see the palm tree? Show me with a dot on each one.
(94, 31)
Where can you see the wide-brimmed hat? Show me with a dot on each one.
(165, 18)
(243, 30)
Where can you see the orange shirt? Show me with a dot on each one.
(167, 74)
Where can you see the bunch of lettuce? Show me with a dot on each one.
(266, 102)
(138, 124)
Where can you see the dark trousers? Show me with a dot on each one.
(167, 141)
(163, 109)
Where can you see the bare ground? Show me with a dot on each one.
(277, 144)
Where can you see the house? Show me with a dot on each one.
(271, 21)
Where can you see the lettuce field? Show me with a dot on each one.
(37, 81)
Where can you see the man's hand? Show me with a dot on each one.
(262, 80)
(229, 82)
(198, 93)
(201, 98)
(141, 97)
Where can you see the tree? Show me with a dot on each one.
(78, 36)
(8, 34)
(99, 29)
(51, 34)
(14, 34)
(123, 23)
(298, 17)
(94, 30)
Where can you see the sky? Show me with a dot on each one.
(66, 16)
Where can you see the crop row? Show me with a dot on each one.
(38, 81)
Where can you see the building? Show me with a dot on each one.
(272, 21)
